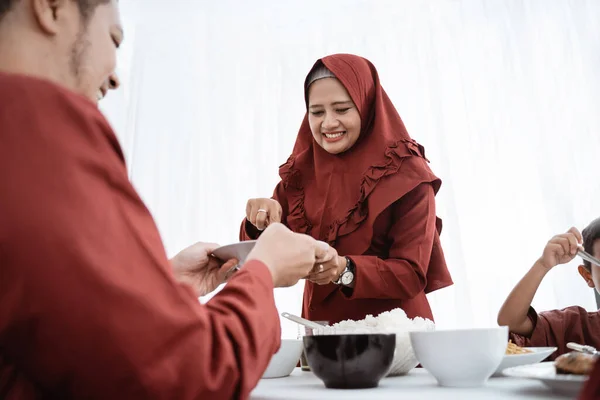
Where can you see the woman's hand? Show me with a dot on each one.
(328, 269)
(262, 212)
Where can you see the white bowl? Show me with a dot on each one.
(404, 356)
(461, 358)
(285, 360)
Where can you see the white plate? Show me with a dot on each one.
(514, 360)
(568, 385)
(238, 251)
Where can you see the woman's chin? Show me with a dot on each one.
(334, 148)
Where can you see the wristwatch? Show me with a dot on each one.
(347, 276)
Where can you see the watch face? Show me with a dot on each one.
(347, 278)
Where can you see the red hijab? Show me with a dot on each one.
(356, 186)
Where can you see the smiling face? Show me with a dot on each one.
(332, 115)
(93, 54)
(71, 42)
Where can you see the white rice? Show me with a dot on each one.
(394, 321)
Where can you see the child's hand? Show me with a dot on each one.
(561, 249)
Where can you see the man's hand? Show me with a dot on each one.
(196, 267)
(289, 256)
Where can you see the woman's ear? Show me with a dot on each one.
(586, 275)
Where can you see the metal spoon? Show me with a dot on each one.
(583, 349)
(588, 257)
(301, 321)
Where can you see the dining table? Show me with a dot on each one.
(417, 384)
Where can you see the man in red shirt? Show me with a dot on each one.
(90, 306)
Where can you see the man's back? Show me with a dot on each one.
(88, 305)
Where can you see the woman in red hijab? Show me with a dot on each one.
(357, 180)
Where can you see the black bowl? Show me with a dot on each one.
(350, 361)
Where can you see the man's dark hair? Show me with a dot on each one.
(86, 7)
(590, 234)
(5, 6)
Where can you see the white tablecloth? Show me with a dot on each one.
(418, 384)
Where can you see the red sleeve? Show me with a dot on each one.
(556, 328)
(249, 231)
(591, 390)
(88, 305)
(403, 274)
(542, 328)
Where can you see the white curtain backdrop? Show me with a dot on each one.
(503, 94)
